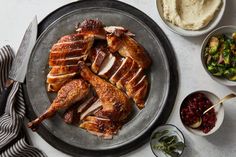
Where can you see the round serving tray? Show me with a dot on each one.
(163, 78)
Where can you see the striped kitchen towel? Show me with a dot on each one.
(13, 141)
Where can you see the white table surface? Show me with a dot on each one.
(15, 16)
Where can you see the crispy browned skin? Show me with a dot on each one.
(61, 70)
(139, 96)
(66, 61)
(70, 93)
(71, 45)
(92, 27)
(132, 89)
(70, 49)
(55, 87)
(128, 76)
(123, 69)
(138, 92)
(128, 47)
(138, 76)
(113, 42)
(64, 56)
(73, 42)
(72, 37)
(100, 126)
(116, 105)
(67, 54)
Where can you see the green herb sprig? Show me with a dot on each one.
(168, 144)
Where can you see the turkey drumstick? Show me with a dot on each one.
(70, 93)
(115, 104)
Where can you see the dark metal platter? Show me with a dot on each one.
(163, 79)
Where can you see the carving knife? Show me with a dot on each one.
(20, 62)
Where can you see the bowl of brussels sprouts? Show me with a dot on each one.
(218, 55)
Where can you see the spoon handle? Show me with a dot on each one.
(227, 97)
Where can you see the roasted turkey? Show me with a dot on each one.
(128, 47)
(63, 59)
(97, 72)
(115, 103)
(70, 93)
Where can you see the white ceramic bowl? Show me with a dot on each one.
(184, 32)
(227, 30)
(219, 114)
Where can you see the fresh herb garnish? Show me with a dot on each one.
(158, 134)
(168, 144)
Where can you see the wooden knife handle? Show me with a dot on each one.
(3, 98)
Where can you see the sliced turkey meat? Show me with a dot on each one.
(72, 45)
(52, 79)
(138, 91)
(95, 106)
(64, 69)
(139, 96)
(100, 127)
(109, 66)
(128, 76)
(70, 49)
(67, 54)
(72, 114)
(137, 77)
(86, 105)
(132, 89)
(73, 37)
(66, 61)
(112, 29)
(101, 54)
(123, 69)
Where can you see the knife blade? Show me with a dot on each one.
(20, 62)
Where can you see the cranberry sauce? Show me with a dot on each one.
(193, 107)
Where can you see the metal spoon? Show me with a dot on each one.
(199, 122)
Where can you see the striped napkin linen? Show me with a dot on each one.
(13, 142)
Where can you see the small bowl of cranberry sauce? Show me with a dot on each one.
(192, 109)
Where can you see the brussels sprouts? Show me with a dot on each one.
(220, 55)
(214, 43)
(226, 55)
(234, 36)
(212, 69)
(230, 72)
(226, 45)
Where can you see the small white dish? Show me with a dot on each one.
(189, 33)
(227, 30)
(219, 109)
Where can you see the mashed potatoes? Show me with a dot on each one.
(190, 14)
